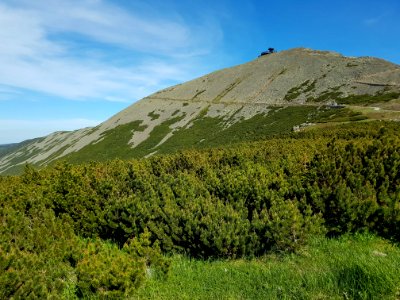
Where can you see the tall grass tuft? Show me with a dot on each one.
(351, 267)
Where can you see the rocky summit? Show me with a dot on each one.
(272, 94)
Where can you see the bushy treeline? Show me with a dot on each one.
(41, 257)
(99, 227)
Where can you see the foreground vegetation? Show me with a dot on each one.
(97, 229)
(360, 267)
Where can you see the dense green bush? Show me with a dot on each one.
(285, 227)
(37, 252)
(357, 187)
(109, 272)
(42, 257)
(78, 229)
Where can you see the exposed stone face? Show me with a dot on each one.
(293, 77)
(269, 78)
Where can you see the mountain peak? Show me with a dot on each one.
(310, 51)
(269, 78)
(296, 79)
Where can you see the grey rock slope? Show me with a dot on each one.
(288, 78)
(269, 78)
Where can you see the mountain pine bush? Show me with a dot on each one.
(99, 227)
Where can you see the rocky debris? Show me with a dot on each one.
(302, 126)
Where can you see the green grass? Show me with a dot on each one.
(15, 170)
(360, 267)
(334, 94)
(340, 115)
(153, 115)
(5, 149)
(351, 65)
(106, 148)
(303, 88)
(175, 112)
(294, 92)
(370, 99)
(57, 153)
(115, 143)
(310, 87)
(16, 161)
(210, 132)
(205, 132)
(156, 135)
(23, 153)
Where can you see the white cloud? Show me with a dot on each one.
(35, 55)
(109, 23)
(12, 131)
(7, 93)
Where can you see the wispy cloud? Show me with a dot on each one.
(7, 93)
(109, 23)
(41, 49)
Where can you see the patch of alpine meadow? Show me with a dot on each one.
(351, 267)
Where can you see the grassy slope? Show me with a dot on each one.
(205, 132)
(6, 149)
(209, 132)
(106, 147)
(361, 267)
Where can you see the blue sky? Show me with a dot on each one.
(68, 64)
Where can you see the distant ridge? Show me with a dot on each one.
(272, 93)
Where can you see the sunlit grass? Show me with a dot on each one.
(361, 267)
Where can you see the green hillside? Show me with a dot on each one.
(9, 148)
(4, 149)
(275, 179)
(207, 132)
(269, 95)
(118, 229)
